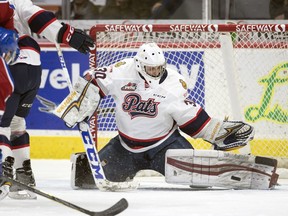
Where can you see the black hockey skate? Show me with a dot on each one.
(8, 167)
(7, 171)
(25, 176)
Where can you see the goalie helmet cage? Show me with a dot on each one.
(235, 70)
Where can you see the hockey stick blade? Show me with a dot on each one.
(117, 208)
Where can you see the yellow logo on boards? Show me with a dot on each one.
(266, 110)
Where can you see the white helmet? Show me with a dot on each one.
(150, 62)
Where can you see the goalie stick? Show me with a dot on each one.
(117, 208)
(90, 148)
(64, 68)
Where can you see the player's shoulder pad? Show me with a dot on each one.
(123, 66)
(176, 82)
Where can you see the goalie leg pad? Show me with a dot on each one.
(220, 169)
(80, 104)
(82, 178)
(81, 175)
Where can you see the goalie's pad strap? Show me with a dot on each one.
(220, 169)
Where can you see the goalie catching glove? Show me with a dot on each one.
(80, 104)
(228, 135)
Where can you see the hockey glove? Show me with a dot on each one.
(9, 49)
(76, 38)
(228, 135)
(80, 104)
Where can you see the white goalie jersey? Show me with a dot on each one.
(146, 115)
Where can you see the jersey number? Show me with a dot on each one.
(188, 102)
(100, 73)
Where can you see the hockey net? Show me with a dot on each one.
(235, 70)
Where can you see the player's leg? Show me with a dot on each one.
(21, 151)
(5, 143)
(27, 81)
(6, 88)
(121, 165)
(27, 88)
(117, 162)
(157, 155)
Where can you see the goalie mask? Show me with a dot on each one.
(150, 63)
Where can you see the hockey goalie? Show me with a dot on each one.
(152, 114)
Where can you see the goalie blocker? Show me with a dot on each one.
(198, 168)
(80, 104)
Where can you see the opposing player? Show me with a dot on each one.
(26, 72)
(8, 53)
(151, 109)
(8, 49)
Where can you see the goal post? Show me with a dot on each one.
(235, 70)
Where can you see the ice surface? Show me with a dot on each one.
(154, 197)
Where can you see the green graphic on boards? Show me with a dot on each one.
(265, 110)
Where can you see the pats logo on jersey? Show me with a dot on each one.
(129, 87)
(136, 107)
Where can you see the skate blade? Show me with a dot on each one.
(22, 195)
